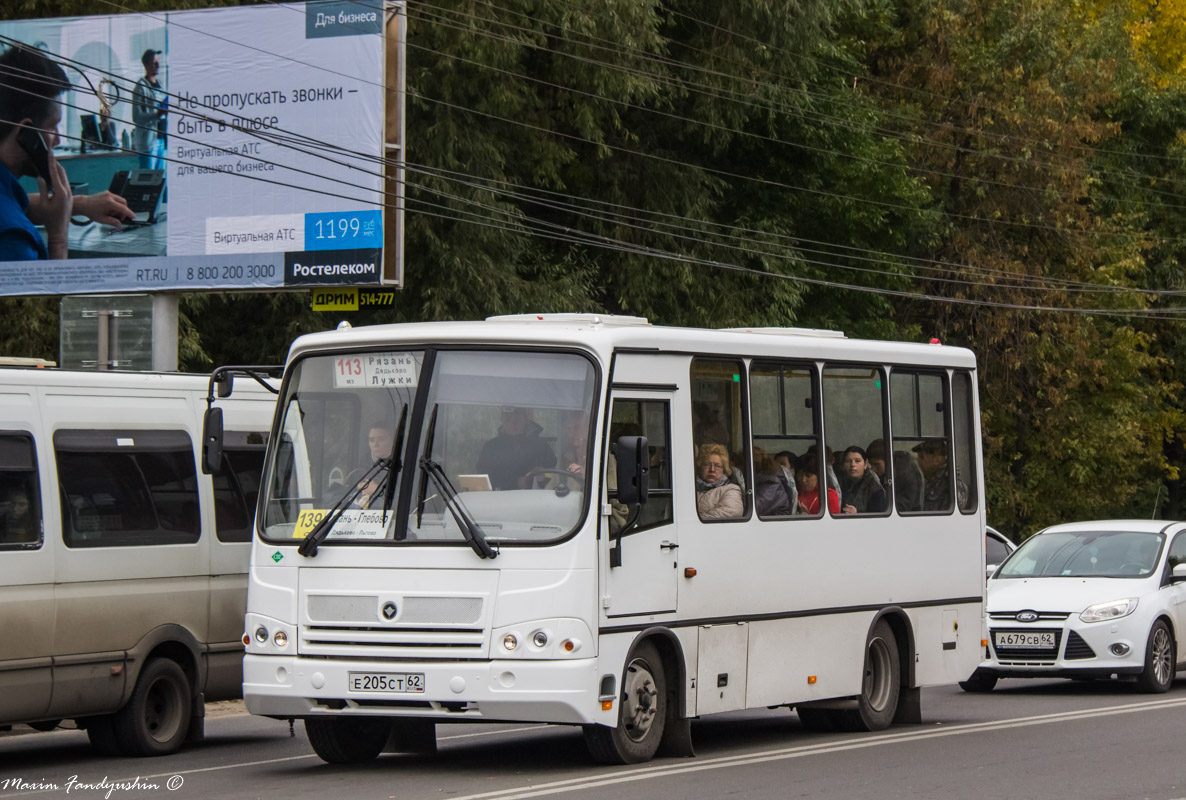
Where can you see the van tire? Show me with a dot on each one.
(156, 718)
(101, 732)
(642, 713)
(348, 740)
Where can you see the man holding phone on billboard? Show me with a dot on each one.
(30, 113)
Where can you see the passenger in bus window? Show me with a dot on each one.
(716, 497)
(807, 476)
(771, 490)
(907, 482)
(932, 460)
(875, 455)
(515, 451)
(19, 525)
(829, 457)
(706, 425)
(576, 444)
(861, 488)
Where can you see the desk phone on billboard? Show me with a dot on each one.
(142, 188)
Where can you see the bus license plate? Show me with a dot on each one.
(1035, 639)
(398, 682)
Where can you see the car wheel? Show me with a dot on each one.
(642, 713)
(878, 702)
(979, 682)
(1160, 660)
(348, 740)
(156, 718)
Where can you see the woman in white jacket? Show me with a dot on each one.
(716, 497)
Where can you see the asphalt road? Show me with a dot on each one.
(1027, 739)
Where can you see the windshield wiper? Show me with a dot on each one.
(397, 448)
(470, 530)
(308, 547)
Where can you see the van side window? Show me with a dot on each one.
(720, 437)
(923, 477)
(127, 488)
(20, 498)
(854, 437)
(962, 393)
(236, 486)
(785, 424)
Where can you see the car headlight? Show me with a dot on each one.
(1116, 609)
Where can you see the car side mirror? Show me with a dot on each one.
(633, 465)
(1178, 574)
(990, 569)
(212, 441)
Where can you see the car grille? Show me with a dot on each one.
(1077, 648)
(1028, 655)
(1042, 615)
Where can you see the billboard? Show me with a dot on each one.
(251, 141)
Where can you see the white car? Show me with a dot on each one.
(1089, 600)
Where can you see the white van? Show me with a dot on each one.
(123, 566)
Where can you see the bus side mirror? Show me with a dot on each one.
(633, 465)
(224, 383)
(212, 441)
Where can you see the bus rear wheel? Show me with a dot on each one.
(348, 740)
(878, 702)
(642, 713)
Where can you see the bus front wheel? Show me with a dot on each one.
(642, 713)
(348, 740)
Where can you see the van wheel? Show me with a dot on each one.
(348, 740)
(879, 689)
(642, 713)
(1160, 660)
(156, 718)
(101, 732)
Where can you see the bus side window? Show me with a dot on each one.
(854, 424)
(718, 422)
(652, 419)
(20, 506)
(921, 426)
(785, 424)
(962, 394)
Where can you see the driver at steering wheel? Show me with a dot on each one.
(515, 451)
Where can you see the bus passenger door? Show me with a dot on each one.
(647, 559)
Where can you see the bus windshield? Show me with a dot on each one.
(501, 438)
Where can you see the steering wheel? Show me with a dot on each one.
(561, 489)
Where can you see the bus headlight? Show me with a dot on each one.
(509, 643)
(280, 639)
(539, 639)
(261, 635)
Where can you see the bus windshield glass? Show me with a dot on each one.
(501, 447)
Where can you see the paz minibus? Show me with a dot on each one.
(594, 521)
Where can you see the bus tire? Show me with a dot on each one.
(348, 740)
(101, 732)
(881, 685)
(156, 718)
(642, 713)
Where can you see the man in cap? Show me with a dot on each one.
(932, 460)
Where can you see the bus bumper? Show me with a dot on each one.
(504, 691)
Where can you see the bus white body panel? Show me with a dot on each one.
(536, 599)
(127, 552)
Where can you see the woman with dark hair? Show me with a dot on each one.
(807, 478)
(771, 495)
(863, 493)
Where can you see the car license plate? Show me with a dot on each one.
(397, 682)
(1034, 639)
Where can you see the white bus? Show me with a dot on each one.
(123, 568)
(579, 519)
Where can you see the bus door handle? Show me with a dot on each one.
(666, 545)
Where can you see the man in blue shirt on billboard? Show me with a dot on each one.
(30, 113)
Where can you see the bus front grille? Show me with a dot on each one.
(343, 641)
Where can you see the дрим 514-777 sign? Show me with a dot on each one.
(249, 141)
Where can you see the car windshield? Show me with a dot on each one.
(1085, 554)
(502, 447)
